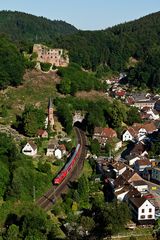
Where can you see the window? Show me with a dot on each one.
(142, 216)
(142, 210)
(150, 209)
(149, 216)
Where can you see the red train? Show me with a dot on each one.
(68, 166)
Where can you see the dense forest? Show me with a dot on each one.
(114, 46)
(103, 51)
(22, 27)
(11, 64)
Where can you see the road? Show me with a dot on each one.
(55, 192)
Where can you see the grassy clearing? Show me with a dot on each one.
(35, 90)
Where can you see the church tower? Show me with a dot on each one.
(50, 114)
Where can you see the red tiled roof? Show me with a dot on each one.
(40, 132)
(120, 93)
(105, 132)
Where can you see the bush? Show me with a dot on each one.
(45, 66)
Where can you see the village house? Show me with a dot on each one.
(60, 151)
(149, 114)
(141, 100)
(104, 134)
(30, 149)
(140, 185)
(129, 135)
(138, 131)
(137, 152)
(128, 176)
(141, 164)
(130, 187)
(52, 145)
(56, 56)
(142, 209)
(121, 193)
(42, 133)
(117, 168)
(142, 104)
(131, 159)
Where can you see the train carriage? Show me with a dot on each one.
(61, 176)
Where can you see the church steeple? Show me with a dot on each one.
(50, 104)
(50, 113)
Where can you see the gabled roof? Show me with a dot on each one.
(137, 201)
(132, 131)
(149, 127)
(143, 162)
(125, 178)
(105, 132)
(133, 192)
(138, 149)
(33, 145)
(40, 132)
(118, 165)
(123, 190)
(139, 183)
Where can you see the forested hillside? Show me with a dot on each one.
(28, 28)
(11, 64)
(103, 51)
(114, 46)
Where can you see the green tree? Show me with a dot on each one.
(13, 233)
(133, 116)
(95, 147)
(83, 191)
(87, 223)
(45, 66)
(32, 120)
(11, 64)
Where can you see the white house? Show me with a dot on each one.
(127, 136)
(58, 153)
(30, 149)
(142, 209)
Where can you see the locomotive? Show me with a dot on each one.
(65, 171)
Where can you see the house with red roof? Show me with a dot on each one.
(104, 134)
(42, 133)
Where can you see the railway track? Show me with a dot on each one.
(55, 192)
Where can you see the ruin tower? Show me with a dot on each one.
(50, 114)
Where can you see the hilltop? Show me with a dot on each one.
(29, 28)
(114, 46)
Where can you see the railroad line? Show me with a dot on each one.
(55, 192)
